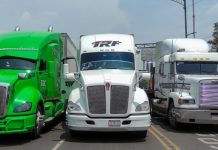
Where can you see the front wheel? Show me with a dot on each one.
(39, 123)
(172, 117)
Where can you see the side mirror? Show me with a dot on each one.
(68, 75)
(66, 69)
(145, 76)
(22, 75)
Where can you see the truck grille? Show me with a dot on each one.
(119, 99)
(96, 99)
(209, 94)
(3, 99)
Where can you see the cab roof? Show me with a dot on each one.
(26, 44)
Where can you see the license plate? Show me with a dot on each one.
(114, 123)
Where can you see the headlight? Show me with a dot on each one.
(24, 107)
(143, 107)
(73, 107)
(182, 101)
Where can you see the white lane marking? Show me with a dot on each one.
(208, 141)
(206, 135)
(58, 145)
(214, 147)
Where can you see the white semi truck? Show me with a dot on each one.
(108, 97)
(186, 82)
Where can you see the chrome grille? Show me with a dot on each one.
(119, 99)
(3, 99)
(209, 94)
(96, 99)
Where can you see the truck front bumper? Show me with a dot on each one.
(196, 116)
(131, 123)
(17, 124)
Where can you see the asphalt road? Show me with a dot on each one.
(56, 137)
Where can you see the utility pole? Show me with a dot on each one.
(183, 3)
(193, 8)
(186, 34)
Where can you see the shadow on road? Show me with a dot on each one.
(99, 137)
(50, 126)
(21, 139)
(13, 139)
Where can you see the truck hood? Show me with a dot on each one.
(113, 76)
(7, 76)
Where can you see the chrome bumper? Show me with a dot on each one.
(197, 116)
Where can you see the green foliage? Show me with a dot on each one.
(143, 84)
(214, 41)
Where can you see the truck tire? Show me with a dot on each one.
(38, 123)
(141, 134)
(171, 117)
(152, 112)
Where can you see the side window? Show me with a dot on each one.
(172, 69)
(161, 69)
(42, 66)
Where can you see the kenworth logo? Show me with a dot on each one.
(105, 43)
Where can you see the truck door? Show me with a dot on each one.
(161, 104)
(49, 73)
(166, 80)
(43, 78)
(53, 61)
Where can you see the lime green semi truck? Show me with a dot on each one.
(32, 88)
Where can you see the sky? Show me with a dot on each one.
(149, 20)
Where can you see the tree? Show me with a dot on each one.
(214, 41)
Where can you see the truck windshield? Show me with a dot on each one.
(17, 63)
(197, 68)
(107, 60)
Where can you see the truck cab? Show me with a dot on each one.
(186, 77)
(108, 97)
(30, 81)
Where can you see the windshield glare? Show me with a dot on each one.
(17, 63)
(197, 68)
(107, 60)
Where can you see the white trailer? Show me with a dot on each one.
(186, 82)
(108, 97)
(69, 57)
